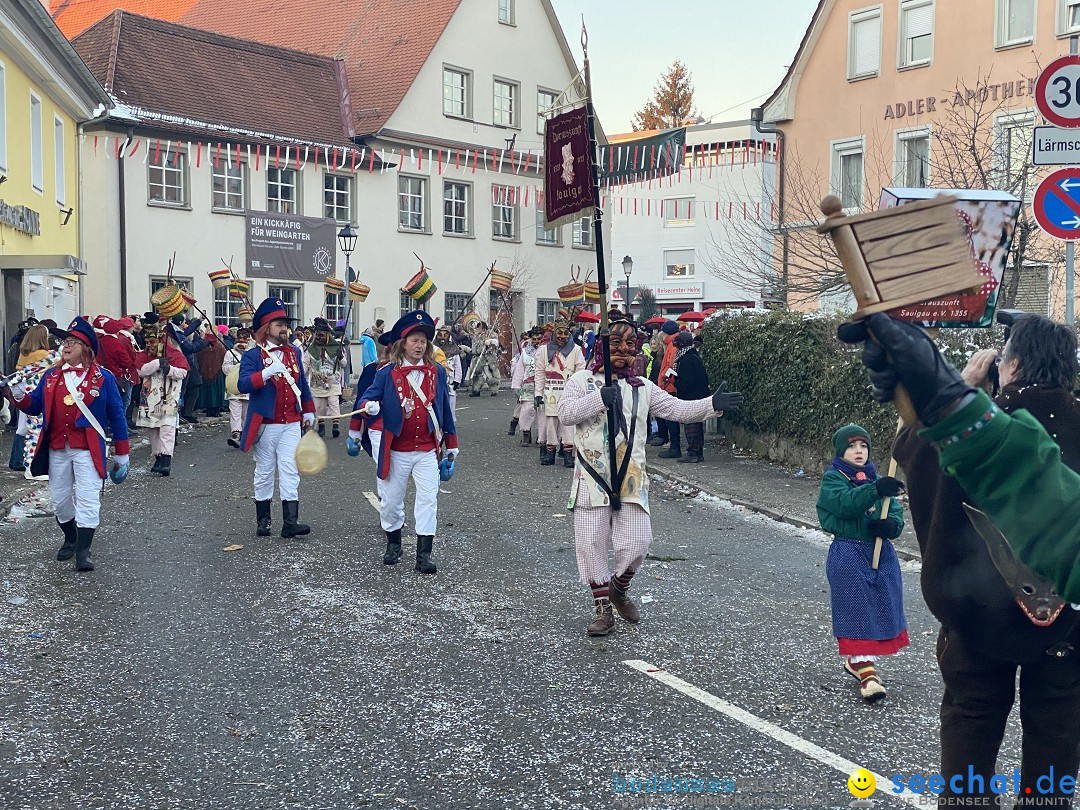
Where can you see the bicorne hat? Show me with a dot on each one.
(416, 320)
(272, 309)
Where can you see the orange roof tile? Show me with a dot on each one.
(384, 43)
(75, 16)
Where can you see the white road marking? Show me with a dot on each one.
(825, 757)
(372, 499)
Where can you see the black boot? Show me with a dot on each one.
(262, 515)
(336, 432)
(393, 548)
(526, 437)
(513, 427)
(548, 457)
(290, 512)
(157, 464)
(166, 466)
(322, 430)
(67, 551)
(474, 394)
(568, 457)
(83, 539)
(423, 554)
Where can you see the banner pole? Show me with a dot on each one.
(601, 275)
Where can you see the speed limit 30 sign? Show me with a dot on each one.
(1057, 91)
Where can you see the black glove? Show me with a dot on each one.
(163, 366)
(884, 527)
(455, 385)
(724, 400)
(906, 355)
(610, 395)
(888, 487)
(539, 402)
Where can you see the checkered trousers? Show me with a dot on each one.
(598, 530)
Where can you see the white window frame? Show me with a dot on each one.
(3, 117)
(839, 149)
(1014, 119)
(545, 236)
(507, 12)
(335, 308)
(673, 206)
(692, 267)
(583, 234)
(901, 136)
(467, 104)
(465, 205)
(1001, 24)
(178, 172)
(1063, 27)
(404, 193)
(862, 15)
(157, 282)
(216, 173)
(226, 308)
(504, 202)
(541, 117)
(37, 147)
(904, 59)
(60, 159)
(333, 211)
(515, 103)
(280, 204)
(547, 310)
(293, 309)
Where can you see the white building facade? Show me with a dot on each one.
(700, 238)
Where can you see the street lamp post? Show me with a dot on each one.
(347, 242)
(627, 268)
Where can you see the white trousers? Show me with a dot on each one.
(275, 452)
(424, 469)
(74, 487)
(237, 414)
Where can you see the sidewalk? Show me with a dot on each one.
(760, 485)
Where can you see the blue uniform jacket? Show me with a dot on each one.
(382, 390)
(263, 395)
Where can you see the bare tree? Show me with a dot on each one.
(976, 144)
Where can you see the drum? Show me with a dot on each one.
(232, 381)
(168, 301)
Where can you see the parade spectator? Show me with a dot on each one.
(986, 635)
(671, 433)
(411, 396)
(75, 389)
(867, 600)
(691, 382)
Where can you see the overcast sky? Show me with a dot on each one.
(737, 51)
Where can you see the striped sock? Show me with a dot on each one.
(865, 670)
(599, 591)
(622, 581)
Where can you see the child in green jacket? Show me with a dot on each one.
(867, 603)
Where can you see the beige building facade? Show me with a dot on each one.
(917, 93)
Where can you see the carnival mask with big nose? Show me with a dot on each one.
(322, 338)
(561, 336)
(623, 342)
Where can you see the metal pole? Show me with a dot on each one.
(1070, 250)
(626, 298)
(601, 275)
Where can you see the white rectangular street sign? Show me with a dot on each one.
(1055, 146)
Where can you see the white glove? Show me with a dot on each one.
(452, 454)
(671, 373)
(372, 408)
(309, 419)
(356, 435)
(18, 390)
(277, 367)
(121, 461)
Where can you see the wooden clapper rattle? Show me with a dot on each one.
(896, 257)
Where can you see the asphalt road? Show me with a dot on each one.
(305, 673)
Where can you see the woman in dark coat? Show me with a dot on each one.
(691, 382)
(210, 360)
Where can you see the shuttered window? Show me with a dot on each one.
(864, 43)
(916, 32)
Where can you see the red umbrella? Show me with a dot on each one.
(710, 311)
(655, 320)
(587, 317)
(691, 317)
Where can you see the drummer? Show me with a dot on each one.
(275, 414)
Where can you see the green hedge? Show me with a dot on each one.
(800, 381)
